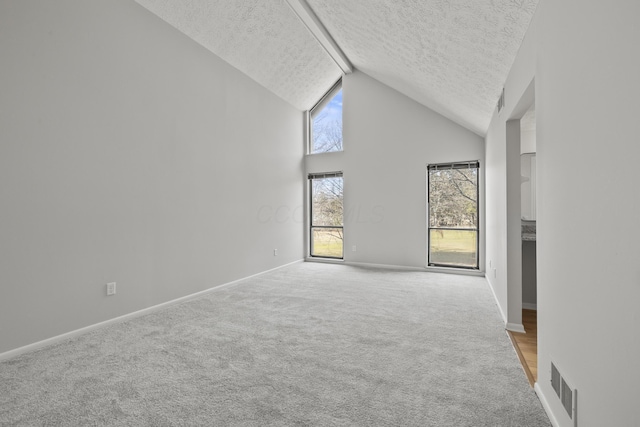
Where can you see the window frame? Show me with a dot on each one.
(449, 166)
(310, 178)
(323, 102)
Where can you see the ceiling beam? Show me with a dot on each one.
(311, 21)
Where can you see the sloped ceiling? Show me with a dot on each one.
(452, 56)
(262, 38)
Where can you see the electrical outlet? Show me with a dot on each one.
(275, 252)
(111, 288)
(353, 248)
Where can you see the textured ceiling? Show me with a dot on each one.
(262, 38)
(452, 56)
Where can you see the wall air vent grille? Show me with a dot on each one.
(501, 101)
(568, 396)
(555, 379)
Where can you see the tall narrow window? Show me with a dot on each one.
(453, 214)
(325, 122)
(326, 238)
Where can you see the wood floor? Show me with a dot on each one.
(526, 344)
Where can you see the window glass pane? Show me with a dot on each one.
(326, 126)
(326, 203)
(453, 198)
(326, 242)
(453, 247)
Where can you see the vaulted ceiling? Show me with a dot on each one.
(452, 56)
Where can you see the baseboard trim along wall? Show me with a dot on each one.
(495, 298)
(545, 405)
(515, 327)
(530, 306)
(72, 334)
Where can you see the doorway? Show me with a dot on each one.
(522, 232)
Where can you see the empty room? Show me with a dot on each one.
(319, 212)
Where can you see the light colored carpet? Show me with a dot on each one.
(309, 344)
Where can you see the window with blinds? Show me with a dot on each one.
(453, 231)
(326, 215)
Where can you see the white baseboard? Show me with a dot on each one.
(545, 405)
(495, 298)
(515, 327)
(72, 334)
(530, 306)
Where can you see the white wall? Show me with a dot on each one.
(496, 211)
(527, 141)
(503, 214)
(128, 153)
(388, 141)
(585, 61)
(587, 93)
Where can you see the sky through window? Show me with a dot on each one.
(326, 127)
